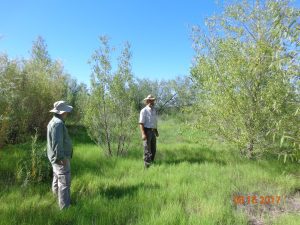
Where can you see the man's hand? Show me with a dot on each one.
(62, 162)
(156, 133)
(144, 137)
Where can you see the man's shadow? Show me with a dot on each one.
(189, 155)
(116, 192)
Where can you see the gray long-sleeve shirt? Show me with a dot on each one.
(59, 145)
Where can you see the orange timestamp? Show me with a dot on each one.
(255, 199)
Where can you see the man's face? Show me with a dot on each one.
(151, 103)
(64, 115)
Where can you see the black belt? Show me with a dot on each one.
(152, 129)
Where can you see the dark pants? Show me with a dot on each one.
(149, 146)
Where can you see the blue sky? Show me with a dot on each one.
(158, 31)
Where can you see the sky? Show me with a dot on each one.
(158, 31)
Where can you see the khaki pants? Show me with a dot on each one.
(61, 183)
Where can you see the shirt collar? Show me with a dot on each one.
(58, 117)
(149, 108)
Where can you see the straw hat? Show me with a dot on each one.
(149, 97)
(60, 107)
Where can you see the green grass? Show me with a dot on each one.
(192, 182)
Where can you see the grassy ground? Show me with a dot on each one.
(193, 181)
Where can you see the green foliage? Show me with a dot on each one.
(172, 95)
(35, 167)
(7, 86)
(110, 115)
(246, 67)
(10, 77)
(185, 92)
(77, 95)
(190, 183)
(28, 89)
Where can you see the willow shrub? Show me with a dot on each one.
(110, 115)
(247, 63)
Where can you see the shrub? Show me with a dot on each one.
(35, 167)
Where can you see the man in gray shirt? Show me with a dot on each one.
(148, 127)
(59, 151)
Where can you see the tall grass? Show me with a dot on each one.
(192, 182)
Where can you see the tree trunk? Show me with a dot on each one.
(249, 149)
(106, 127)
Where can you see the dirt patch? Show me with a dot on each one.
(261, 208)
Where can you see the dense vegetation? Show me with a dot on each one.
(29, 87)
(248, 71)
(223, 129)
(194, 181)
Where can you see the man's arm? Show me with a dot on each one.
(57, 143)
(144, 137)
(141, 122)
(156, 130)
(156, 133)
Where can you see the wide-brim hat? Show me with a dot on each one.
(60, 107)
(149, 97)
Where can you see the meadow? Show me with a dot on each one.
(194, 180)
